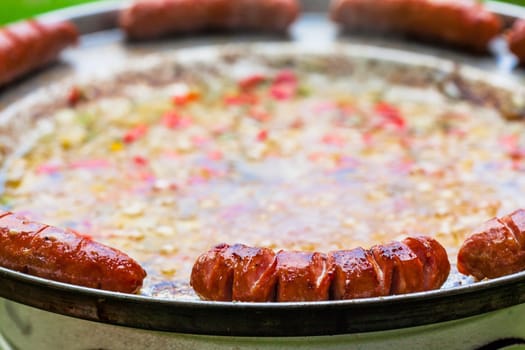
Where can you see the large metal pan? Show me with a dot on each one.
(462, 317)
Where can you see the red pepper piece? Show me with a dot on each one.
(285, 85)
(241, 99)
(285, 76)
(75, 96)
(391, 115)
(139, 160)
(262, 135)
(174, 120)
(251, 82)
(135, 133)
(184, 99)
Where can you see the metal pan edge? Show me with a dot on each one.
(258, 319)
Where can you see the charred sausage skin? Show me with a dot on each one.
(466, 24)
(65, 256)
(291, 276)
(495, 249)
(516, 40)
(149, 19)
(30, 45)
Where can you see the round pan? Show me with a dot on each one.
(262, 319)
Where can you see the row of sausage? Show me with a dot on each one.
(242, 273)
(27, 46)
(416, 264)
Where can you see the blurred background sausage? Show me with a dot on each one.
(516, 40)
(148, 19)
(460, 23)
(30, 45)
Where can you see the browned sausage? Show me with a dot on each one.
(147, 19)
(253, 273)
(388, 269)
(27, 46)
(303, 276)
(235, 272)
(65, 256)
(516, 40)
(212, 275)
(413, 265)
(496, 248)
(357, 275)
(460, 23)
(402, 269)
(436, 266)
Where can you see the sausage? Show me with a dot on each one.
(65, 256)
(394, 268)
(495, 249)
(466, 24)
(235, 272)
(213, 279)
(30, 45)
(516, 40)
(434, 258)
(303, 276)
(416, 264)
(149, 19)
(356, 275)
(402, 269)
(253, 273)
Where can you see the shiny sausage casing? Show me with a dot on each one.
(291, 276)
(404, 267)
(495, 249)
(416, 264)
(30, 45)
(516, 40)
(434, 258)
(148, 19)
(303, 276)
(235, 272)
(461, 23)
(65, 256)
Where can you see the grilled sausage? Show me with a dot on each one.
(495, 249)
(149, 19)
(303, 276)
(413, 265)
(30, 45)
(402, 269)
(516, 40)
(65, 256)
(356, 275)
(434, 258)
(462, 23)
(235, 272)
(394, 268)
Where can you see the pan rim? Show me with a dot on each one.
(97, 300)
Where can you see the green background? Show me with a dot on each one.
(11, 10)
